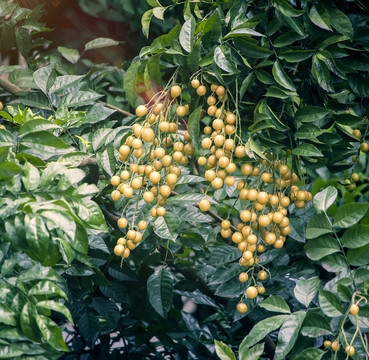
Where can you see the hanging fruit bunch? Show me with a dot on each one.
(150, 168)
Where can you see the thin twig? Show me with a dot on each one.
(117, 108)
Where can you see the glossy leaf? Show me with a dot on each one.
(224, 351)
(275, 303)
(282, 78)
(319, 247)
(325, 198)
(187, 33)
(329, 303)
(315, 325)
(51, 332)
(350, 214)
(194, 127)
(100, 43)
(253, 353)
(317, 226)
(72, 55)
(311, 354)
(356, 236)
(160, 291)
(306, 149)
(310, 113)
(288, 334)
(222, 57)
(262, 329)
(305, 290)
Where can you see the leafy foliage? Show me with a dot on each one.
(296, 75)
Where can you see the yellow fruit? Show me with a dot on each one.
(160, 211)
(201, 90)
(204, 205)
(327, 344)
(115, 180)
(350, 350)
(195, 83)
(175, 91)
(262, 275)
(122, 223)
(141, 110)
(241, 308)
(119, 250)
(364, 147)
(148, 196)
(142, 225)
(354, 309)
(261, 289)
(243, 277)
(115, 195)
(252, 292)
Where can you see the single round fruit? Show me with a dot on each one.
(115, 180)
(354, 309)
(220, 90)
(115, 195)
(204, 205)
(181, 111)
(364, 147)
(261, 289)
(237, 237)
(160, 211)
(262, 275)
(335, 346)
(119, 250)
(142, 225)
(148, 196)
(175, 91)
(195, 83)
(147, 135)
(243, 277)
(355, 177)
(241, 308)
(252, 292)
(122, 223)
(350, 350)
(201, 90)
(141, 110)
(327, 344)
(226, 224)
(357, 133)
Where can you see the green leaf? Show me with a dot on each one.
(107, 161)
(100, 43)
(251, 50)
(319, 17)
(47, 288)
(287, 38)
(310, 113)
(350, 214)
(66, 81)
(325, 198)
(223, 255)
(358, 256)
(7, 316)
(281, 77)
(308, 131)
(166, 226)
(334, 263)
(6, 137)
(72, 55)
(37, 125)
(317, 226)
(294, 24)
(51, 332)
(245, 84)
(286, 9)
(28, 322)
(306, 149)
(315, 325)
(329, 303)
(223, 351)
(242, 31)
(55, 306)
(145, 21)
(158, 12)
(252, 354)
(320, 247)
(310, 354)
(160, 290)
(194, 127)
(356, 236)
(42, 78)
(89, 327)
(79, 98)
(359, 85)
(341, 22)
(186, 36)
(223, 58)
(262, 329)
(44, 145)
(305, 290)
(320, 72)
(275, 303)
(294, 56)
(288, 334)
(9, 169)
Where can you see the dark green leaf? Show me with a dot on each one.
(286, 9)
(252, 354)
(310, 113)
(51, 332)
(160, 291)
(308, 131)
(320, 71)
(315, 325)
(329, 303)
(282, 78)
(194, 127)
(320, 247)
(341, 22)
(262, 329)
(288, 334)
(306, 149)
(356, 236)
(222, 57)
(310, 354)
(89, 327)
(319, 16)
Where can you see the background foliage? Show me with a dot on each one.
(298, 76)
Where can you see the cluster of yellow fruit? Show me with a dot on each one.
(150, 159)
(335, 345)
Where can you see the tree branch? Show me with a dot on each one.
(9, 87)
